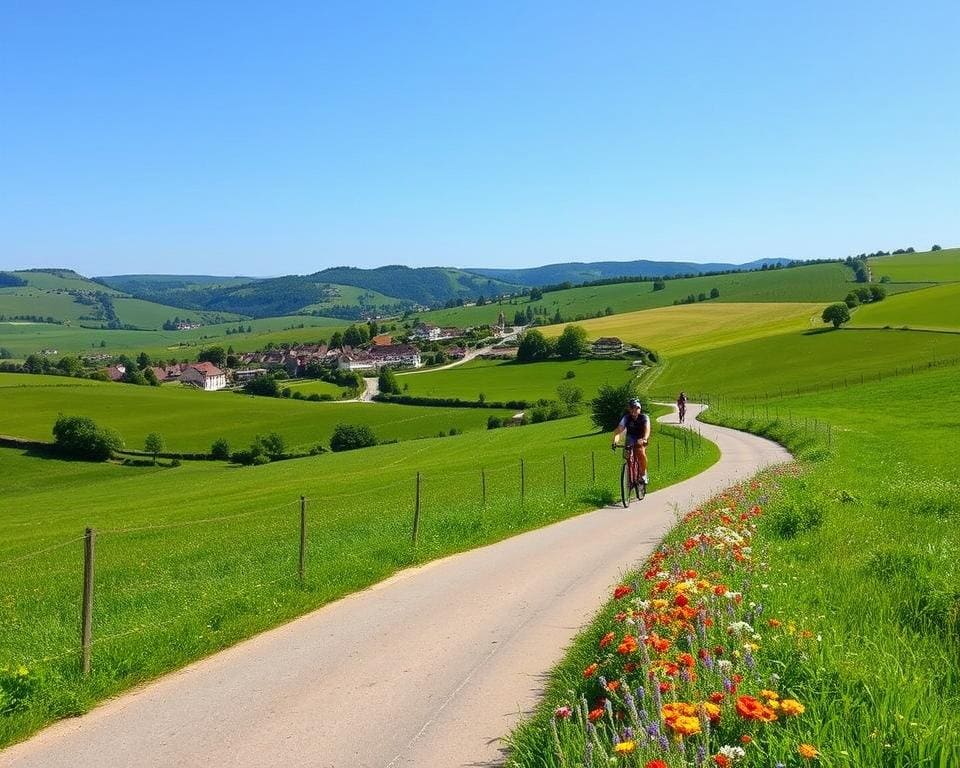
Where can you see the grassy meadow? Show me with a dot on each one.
(930, 266)
(807, 360)
(860, 551)
(190, 420)
(500, 381)
(693, 327)
(191, 559)
(937, 308)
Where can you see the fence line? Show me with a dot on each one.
(184, 523)
(51, 548)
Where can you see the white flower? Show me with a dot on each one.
(724, 665)
(740, 628)
(733, 753)
(731, 595)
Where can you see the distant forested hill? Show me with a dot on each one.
(583, 272)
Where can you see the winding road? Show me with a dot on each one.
(431, 668)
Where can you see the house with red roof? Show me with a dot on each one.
(206, 376)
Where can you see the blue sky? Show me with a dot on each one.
(261, 139)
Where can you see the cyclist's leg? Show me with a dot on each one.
(641, 461)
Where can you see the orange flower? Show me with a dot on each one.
(711, 710)
(628, 646)
(656, 764)
(722, 761)
(622, 591)
(595, 714)
(607, 639)
(613, 685)
(768, 694)
(685, 726)
(745, 739)
(774, 623)
(590, 671)
(686, 660)
(716, 697)
(792, 707)
(681, 600)
(751, 709)
(807, 751)
(659, 644)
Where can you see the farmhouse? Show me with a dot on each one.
(608, 345)
(115, 372)
(206, 376)
(426, 332)
(393, 355)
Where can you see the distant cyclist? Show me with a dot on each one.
(636, 425)
(682, 406)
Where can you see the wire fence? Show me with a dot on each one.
(109, 599)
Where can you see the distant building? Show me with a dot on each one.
(116, 372)
(607, 345)
(426, 332)
(245, 375)
(206, 376)
(392, 355)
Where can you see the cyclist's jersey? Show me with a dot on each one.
(635, 428)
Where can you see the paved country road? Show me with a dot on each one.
(430, 668)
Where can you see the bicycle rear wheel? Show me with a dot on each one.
(625, 484)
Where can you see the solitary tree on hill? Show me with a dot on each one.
(153, 444)
(838, 314)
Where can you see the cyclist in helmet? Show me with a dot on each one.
(636, 426)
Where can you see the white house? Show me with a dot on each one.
(426, 332)
(204, 375)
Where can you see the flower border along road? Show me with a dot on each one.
(679, 677)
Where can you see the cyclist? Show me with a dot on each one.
(682, 406)
(636, 425)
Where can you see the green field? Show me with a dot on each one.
(62, 280)
(814, 283)
(351, 295)
(501, 381)
(930, 266)
(804, 360)
(937, 307)
(190, 420)
(861, 551)
(171, 588)
(311, 386)
(678, 330)
(26, 339)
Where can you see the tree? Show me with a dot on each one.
(877, 293)
(852, 300)
(659, 285)
(886, 279)
(69, 366)
(936, 248)
(215, 355)
(714, 293)
(143, 360)
(355, 335)
(348, 437)
(336, 340)
(135, 376)
(273, 444)
(533, 347)
(519, 318)
(536, 294)
(838, 314)
(701, 296)
(80, 438)
(608, 407)
(220, 450)
(153, 444)
(572, 343)
(5, 354)
(388, 382)
(150, 377)
(570, 396)
(265, 386)
(863, 293)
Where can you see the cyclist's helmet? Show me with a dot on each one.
(634, 403)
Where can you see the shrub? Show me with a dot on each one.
(659, 285)
(265, 386)
(494, 422)
(852, 300)
(220, 450)
(533, 347)
(877, 293)
(326, 397)
(175, 463)
(608, 407)
(287, 393)
(297, 394)
(570, 375)
(80, 438)
(886, 279)
(315, 397)
(792, 519)
(349, 437)
(388, 382)
(272, 445)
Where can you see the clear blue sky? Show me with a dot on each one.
(269, 138)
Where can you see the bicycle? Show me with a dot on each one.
(630, 477)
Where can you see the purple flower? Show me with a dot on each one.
(748, 659)
(701, 755)
(664, 743)
(727, 685)
(708, 661)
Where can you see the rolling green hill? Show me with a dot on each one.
(807, 283)
(937, 307)
(930, 266)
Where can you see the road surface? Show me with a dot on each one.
(431, 668)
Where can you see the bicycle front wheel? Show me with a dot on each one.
(625, 484)
(641, 490)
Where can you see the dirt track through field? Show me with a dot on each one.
(431, 668)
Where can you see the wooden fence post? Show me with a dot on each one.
(303, 537)
(86, 631)
(416, 512)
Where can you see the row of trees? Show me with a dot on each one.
(702, 296)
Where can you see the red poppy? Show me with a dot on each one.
(622, 591)
(607, 639)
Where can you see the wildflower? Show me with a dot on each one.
(622, 591)
(628, 646)
(656, 764)
(807, 751)
(625, 747)
(792, 707)
(750, 708)
(590, 671)
(775, 623)
(607, 639)
(745, 739)
(595, 714)
(613, 685)
(722, 761)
